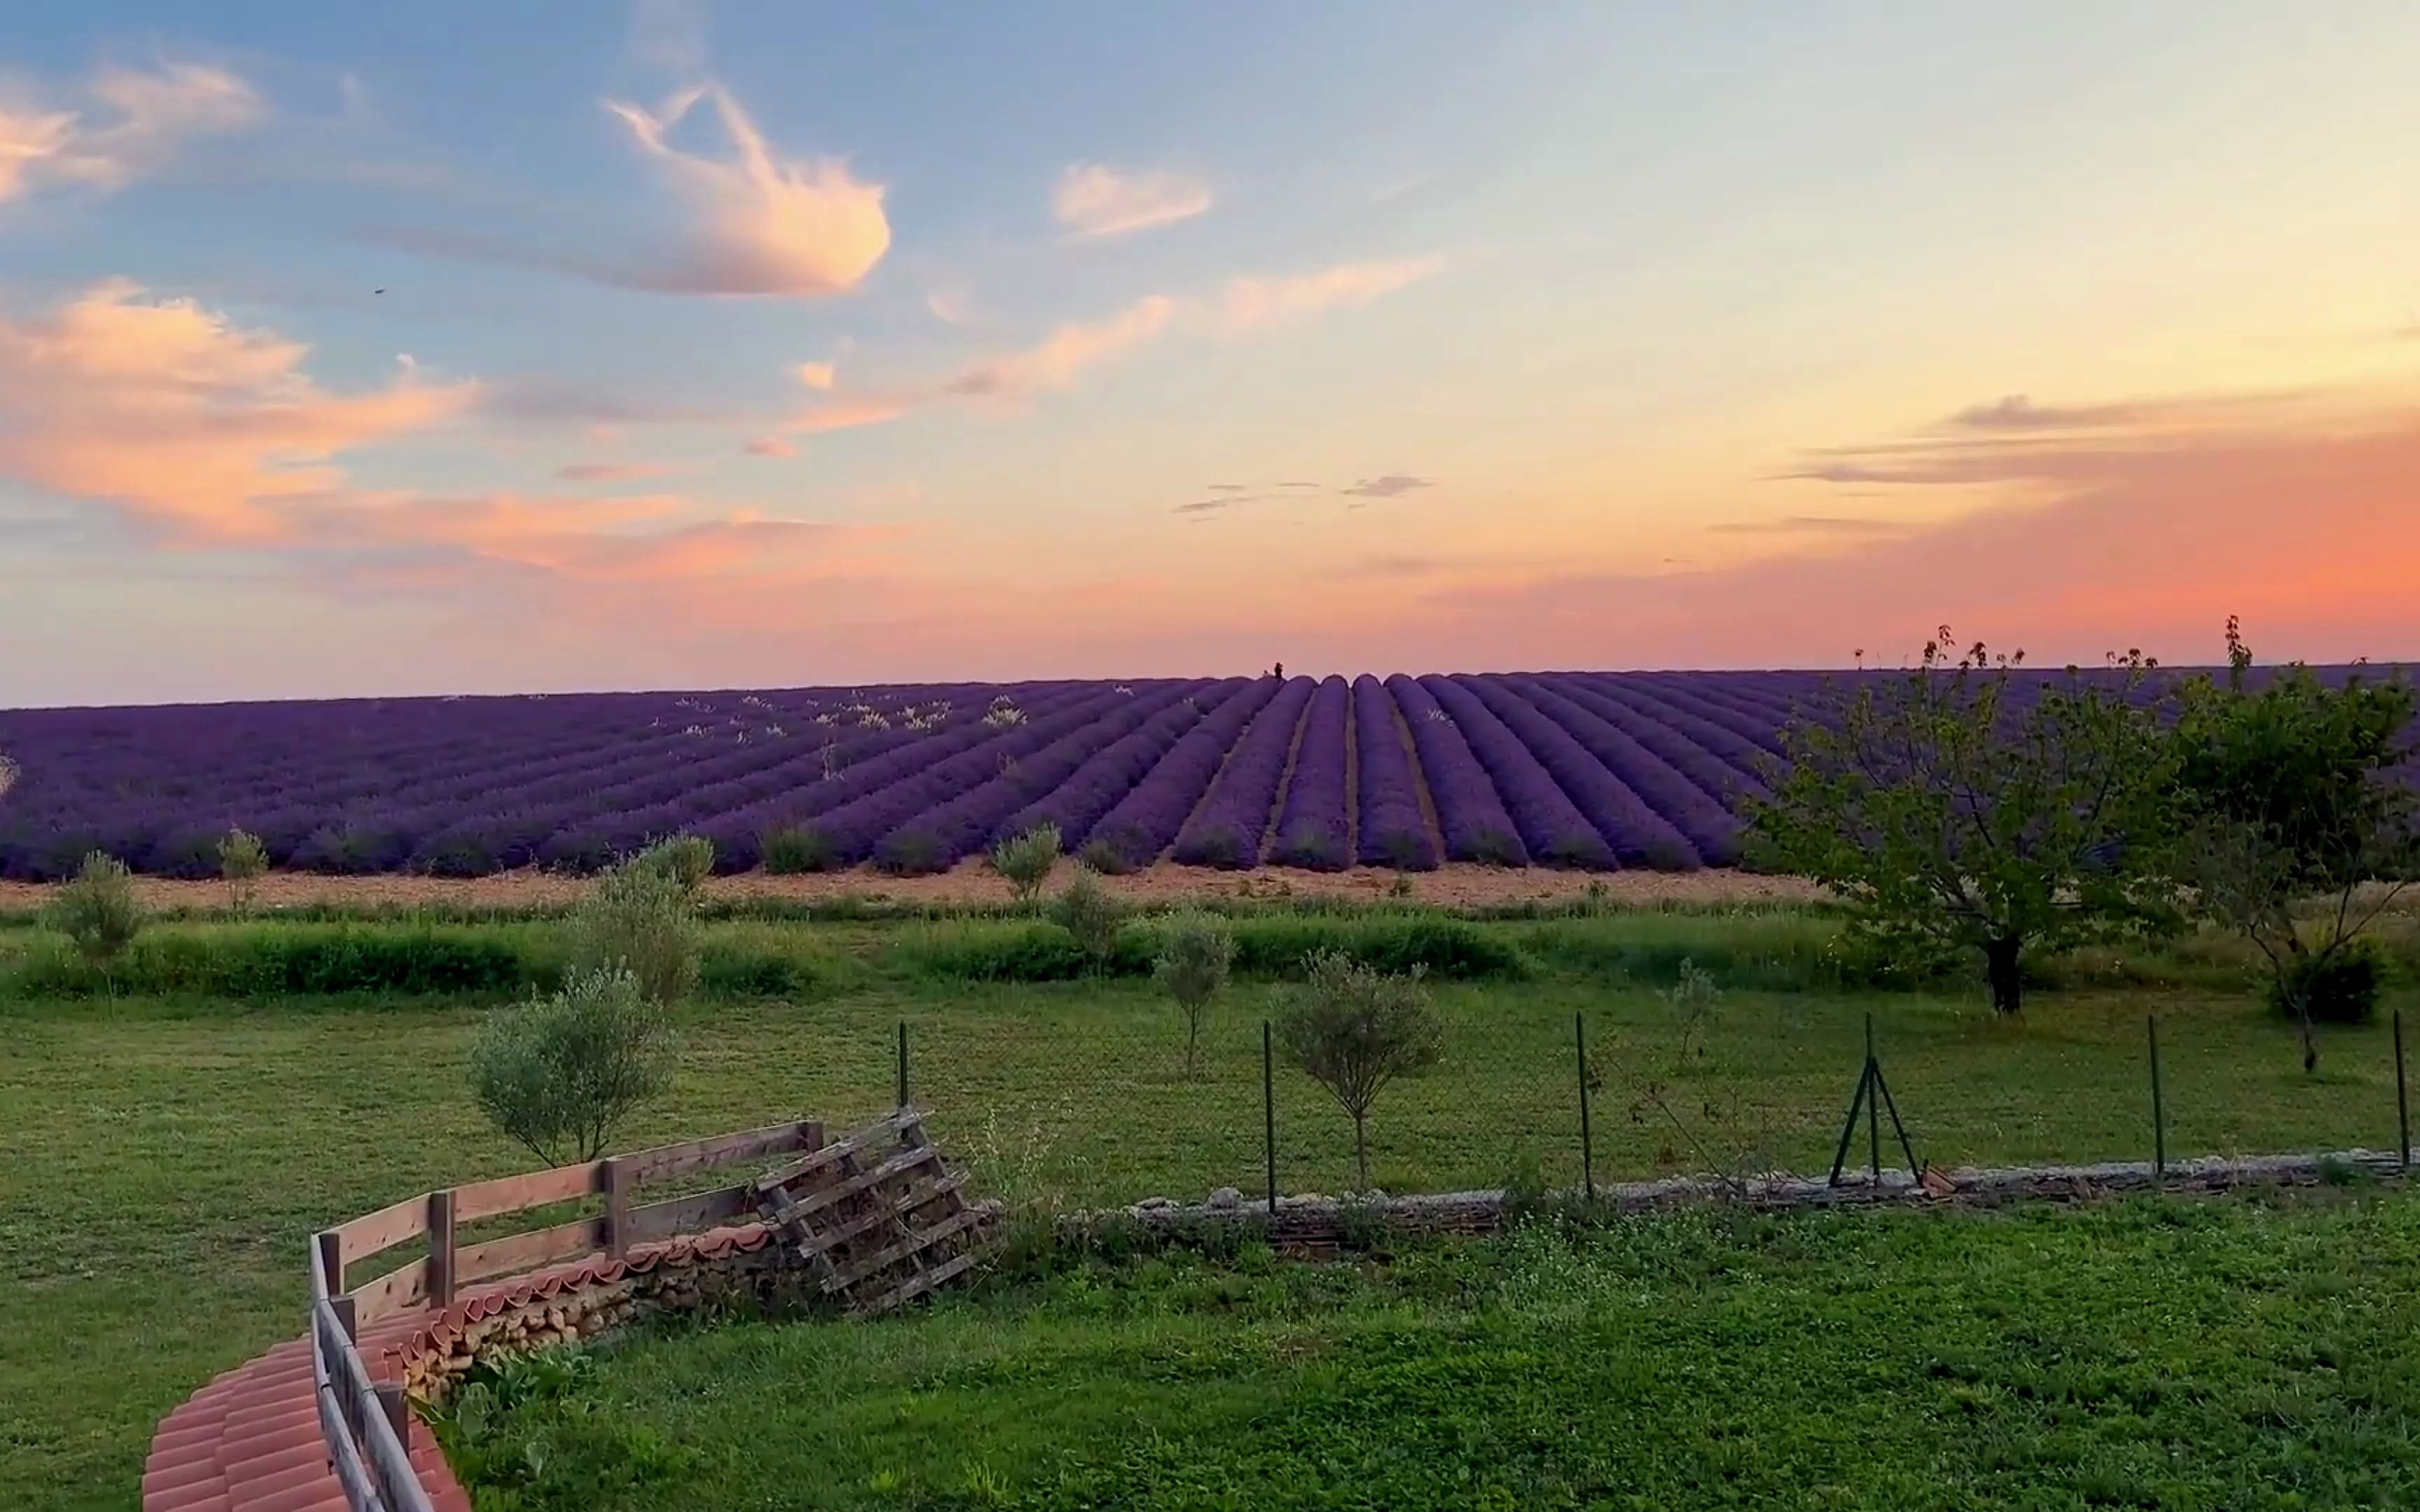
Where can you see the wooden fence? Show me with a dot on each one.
(365, 1425)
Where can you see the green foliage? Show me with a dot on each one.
(2340, 986)
(1354, 1029)
(1446, 948)
(912, 853)
(2288, 792)
(1196, 952)
(790, 851)
(1946, 809)
(559, 1073)
(687, 859)
(525, 1433)
(242, 863)
(96, 909)
(1106, 858)
(1090, 917)
(1025, 860)
(637, 917)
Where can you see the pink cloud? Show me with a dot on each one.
(768, 446)
(166, 410)
(760, 225)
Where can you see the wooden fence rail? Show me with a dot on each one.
(366, 1426)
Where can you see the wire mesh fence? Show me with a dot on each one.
(1072, 1106)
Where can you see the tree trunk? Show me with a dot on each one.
(1361, 1149)
(2000, 970)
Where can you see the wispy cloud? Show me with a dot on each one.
(610, 471)
(1242, 308)
(124, 124)
(768, 446)
(817, 376)
(1808, 525)
(759, 225)
(1096, 200)
(1390, 485)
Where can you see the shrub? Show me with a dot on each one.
(559, 1073)
(2339, 988)
(637, 919)
(98, 910)
(1355, 1029)
(242, 863)
(1025, 860)
(791, 850)
(688, 860)
(1196, 952)
(1108, 854)
(1443, 947)
(913, 853)
(1089, 914)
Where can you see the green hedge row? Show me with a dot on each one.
(1446, 948)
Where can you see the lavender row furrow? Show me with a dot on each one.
(1311, 823)
(1145, 822)
(1551, 824)
(1470, 813)
(1392, 830)
(1077, 804)
(1710, 829)
(1226, 830)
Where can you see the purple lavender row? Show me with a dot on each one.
(1636, 833)
(1470, 813)
(1709, 828)
(1142, 823)
(1226, 830)
(966, 822)
(1717, 730)
(1551, 824)
(852, 830)
(1719, 779)
(1077, 805)
(1393, 831)
(1311, 823)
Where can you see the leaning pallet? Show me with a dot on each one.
(876, 1216)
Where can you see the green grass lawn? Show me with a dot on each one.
(2160, 1353)
(162, 1161)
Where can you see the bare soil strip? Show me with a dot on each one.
(973, 881)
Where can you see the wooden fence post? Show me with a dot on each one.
(617, 1205)
(440, 1245)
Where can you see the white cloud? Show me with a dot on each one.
(1094, 200)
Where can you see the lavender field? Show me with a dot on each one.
(1563, 770)
(1599, 771)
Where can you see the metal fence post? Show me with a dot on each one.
(1873, 1112)
(2158, 1103)
(1269, 1114)
(2402, 1103)
(1588, 1143)
(902, 1063)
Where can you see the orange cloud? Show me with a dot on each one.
(768, 446)
(1248, 306)
(817, 376)
(165, 408)
(148, 116)
(1093, 200)
(761, 226)
(2141, 529)
(1054, 361)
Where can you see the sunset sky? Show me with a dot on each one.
(779, 343)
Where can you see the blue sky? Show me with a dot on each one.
(1558, 322)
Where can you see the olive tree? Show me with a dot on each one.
(96, 909)
(637, 917)
(242, 863)
(1960, 806)
(1086, 911)
(559, 1073)
(1196, 951)
(1026, 860)
(1355, 1029)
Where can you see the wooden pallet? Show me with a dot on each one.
(877, 1214)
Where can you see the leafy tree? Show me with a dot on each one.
(1196, 952)
(637, 917)
(1354, 1029)
(560, 1073)
(2297, 833)
(242, 863)
(1086, 911)
(1026, 860)
(1955, 806)
(96, 909)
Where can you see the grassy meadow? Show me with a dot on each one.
(172, 1134)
